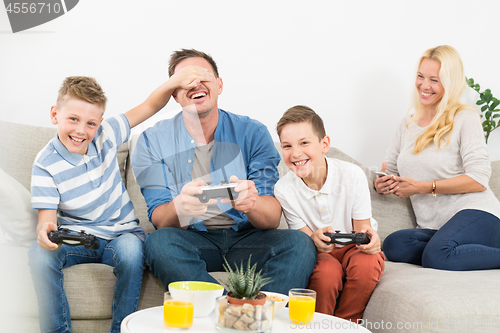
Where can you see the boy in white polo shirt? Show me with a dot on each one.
(322, 195)
(76, 184)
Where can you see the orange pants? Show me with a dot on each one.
(351, 271)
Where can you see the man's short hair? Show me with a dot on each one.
(300, 114)
(184, 54)
(84, 88)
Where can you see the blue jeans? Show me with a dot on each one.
(124, 253)
(470, 240)
(287, 256)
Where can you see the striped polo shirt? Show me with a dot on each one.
(87, 190)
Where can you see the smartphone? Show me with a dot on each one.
(380, 173)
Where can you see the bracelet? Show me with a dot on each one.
(434, 188)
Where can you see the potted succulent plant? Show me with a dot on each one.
(244, 308)
(244, 285)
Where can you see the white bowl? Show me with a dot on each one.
(278, 305)
(205, 294)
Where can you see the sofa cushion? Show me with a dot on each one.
(428, 300)
(134, 190)
(18, 304)
(29, 140)
(495, 180)
(17, 219)
(89, 289)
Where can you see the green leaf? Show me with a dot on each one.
(487, 127)
(487, 115)
(484, 108)
(495, 116)
(479, 102)
(494, 104)
(244, 282)
(250, 279)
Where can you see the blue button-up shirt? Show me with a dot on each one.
(164, 155)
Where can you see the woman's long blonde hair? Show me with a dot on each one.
(451, 75)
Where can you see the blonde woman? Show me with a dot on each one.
(438, 158)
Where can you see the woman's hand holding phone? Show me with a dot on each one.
(384, 183)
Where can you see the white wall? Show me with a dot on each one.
(351, 61)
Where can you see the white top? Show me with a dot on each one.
(465, 155)
(344, 196)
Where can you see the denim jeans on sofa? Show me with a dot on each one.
(124, 254)
(178, 255)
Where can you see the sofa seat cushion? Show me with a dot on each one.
(89, 289)
(17, 219)
(428, 300)
(18, 306)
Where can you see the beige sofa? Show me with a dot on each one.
(408, 298)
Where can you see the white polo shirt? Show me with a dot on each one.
(344, 196)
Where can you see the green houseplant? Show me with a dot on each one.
(244, 308)
(244, 284)
(489, 111)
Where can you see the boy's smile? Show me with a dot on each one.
(300, 163)
(304, 153)
(77, 123)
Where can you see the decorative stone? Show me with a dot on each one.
(247, 307)
(235, 310)
(258, 312)
(229, 320)
(245, 317)
(240, 325)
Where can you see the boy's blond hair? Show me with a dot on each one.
(300, 114)
(84, 88)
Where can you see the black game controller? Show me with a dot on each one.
(346, 239)
(224, 190)
(73, 238)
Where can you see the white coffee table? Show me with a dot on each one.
(151, 321)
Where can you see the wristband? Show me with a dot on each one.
(434, 188)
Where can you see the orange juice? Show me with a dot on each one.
(301, 309)
(178, 314)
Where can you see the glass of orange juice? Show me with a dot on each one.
(301, 305)
(178, 311)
